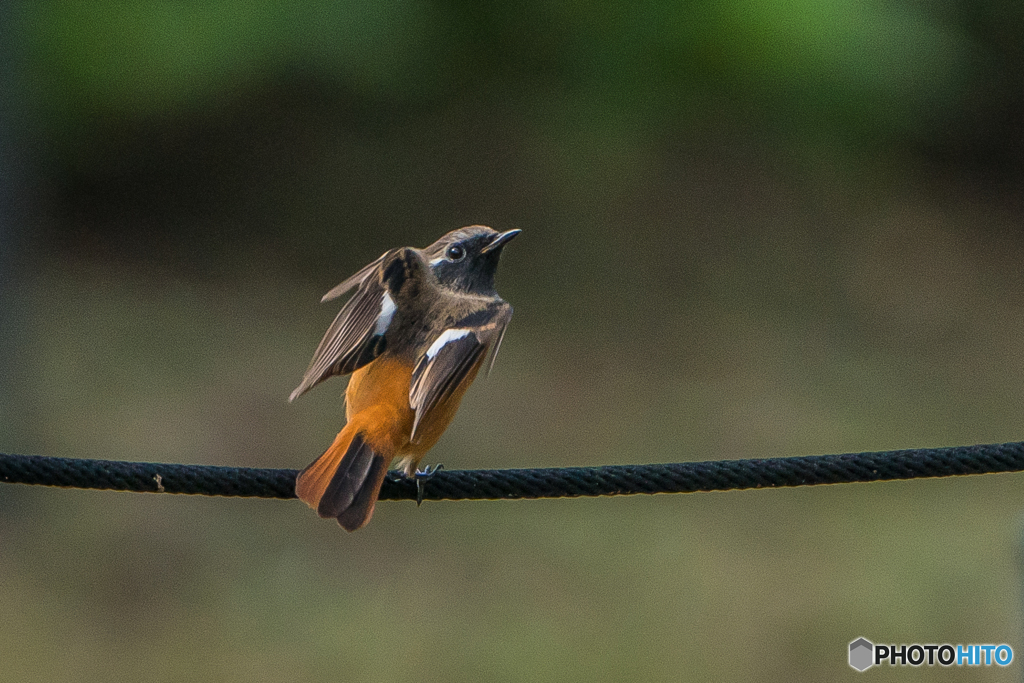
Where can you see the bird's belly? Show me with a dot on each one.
(378, 397)
(383, 383)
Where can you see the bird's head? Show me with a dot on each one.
(466, 259)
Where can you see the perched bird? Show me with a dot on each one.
(413, 335)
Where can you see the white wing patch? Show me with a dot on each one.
(440, 371)
(446, 337)
(387, 312)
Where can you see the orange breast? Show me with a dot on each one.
(377, 404)
(377, 401)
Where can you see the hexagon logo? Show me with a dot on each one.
(862, 654)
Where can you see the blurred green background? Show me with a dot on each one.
(751, 228)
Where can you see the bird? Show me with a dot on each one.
(413, 336)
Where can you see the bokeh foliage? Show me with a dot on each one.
(857, 69)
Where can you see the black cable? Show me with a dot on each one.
(558, 482)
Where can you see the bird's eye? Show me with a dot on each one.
(456, 252)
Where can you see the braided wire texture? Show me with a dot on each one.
(557, 482)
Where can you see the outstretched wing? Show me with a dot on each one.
(452, 357)
(353, 280)
(356, 336)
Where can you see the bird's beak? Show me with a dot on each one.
(499, 241)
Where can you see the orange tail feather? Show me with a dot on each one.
(312, 481)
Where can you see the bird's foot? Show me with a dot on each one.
(423, 476)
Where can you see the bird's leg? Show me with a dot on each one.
(423, 476)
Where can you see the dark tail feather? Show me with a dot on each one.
(344, 482)
(360, 510)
